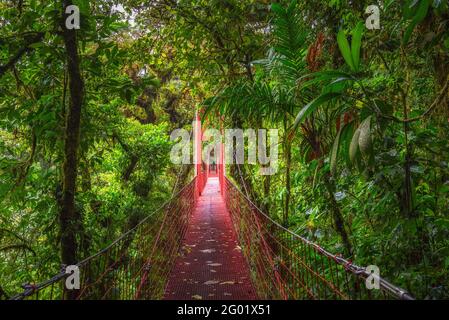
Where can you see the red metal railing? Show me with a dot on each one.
(135, 266)
(203, 178)
(285, 265)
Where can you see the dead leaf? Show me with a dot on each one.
(207, 251)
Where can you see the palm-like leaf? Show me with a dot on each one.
(289, 50)
(274, 94)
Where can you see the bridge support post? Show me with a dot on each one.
(221, 163)
(197, 154)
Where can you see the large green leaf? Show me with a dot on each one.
(325, 76)
(312, 106)
(83, 5)
(421, 13)
(345, 49)
(354, 147)
(356, 44)
(277, 8)
(409, 9)
(334, 153)
(365, 140)
(345, 141)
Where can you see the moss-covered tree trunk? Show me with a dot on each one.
(68, 218)
(337, 217)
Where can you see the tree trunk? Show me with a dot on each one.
(130, 168)
(338, 217)
(266, 193)
(69, 219)
(407, 203)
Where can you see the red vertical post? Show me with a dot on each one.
(198, 137)
(221, 163)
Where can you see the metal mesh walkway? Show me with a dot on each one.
(211, 265)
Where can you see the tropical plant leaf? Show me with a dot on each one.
(421, 13)
(354, 147)
(287, 58)
(334, 153)
(277, 8)
(325, 76)
(312, 106)
(409, 9)
(345, 141)
(356, 44)
(345, 49)
(365, 141)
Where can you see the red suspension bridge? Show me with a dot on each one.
(211, 242)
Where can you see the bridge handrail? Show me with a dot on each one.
(31, 289)
(358, 271)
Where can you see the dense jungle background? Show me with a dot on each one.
(86, 117)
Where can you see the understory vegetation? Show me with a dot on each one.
(363, 117)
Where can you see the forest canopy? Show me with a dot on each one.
(363, 115)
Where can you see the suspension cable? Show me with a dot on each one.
(348, 265)
(31, 289)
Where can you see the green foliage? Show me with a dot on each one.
(124, 131)
(313, 106)
(365, 119)
(417, 12)
(368, 130)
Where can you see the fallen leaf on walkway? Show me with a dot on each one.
(228, 282)
(211, 282)
(207, 251)
(197, 297)
(187, 250)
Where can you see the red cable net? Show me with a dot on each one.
(286, 266)
(135, 266)
(283, 265)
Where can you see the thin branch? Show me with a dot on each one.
(19, 246)
(24, 50)
(434, 104)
